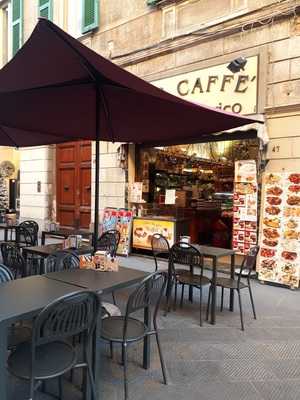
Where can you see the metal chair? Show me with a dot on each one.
(186, 254)
(17, 333)
(50, 354)
(61, 260)
(160, 247)
(13, 259)
(126, 329)
(109, 241)
(245, 271)
(33, 228)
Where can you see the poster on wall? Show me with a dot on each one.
(244, 206)
(143, 230)
(279, 257)
(121, 220)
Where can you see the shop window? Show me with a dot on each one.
(46, 9)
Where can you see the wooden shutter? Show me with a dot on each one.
(90, 15)
(45, 9)
(17, 25)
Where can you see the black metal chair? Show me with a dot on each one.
(33, 228)
(61, 260)
(185, 254)
(13, 259)
(50, 354)
(160, 247)
(245, 271)
(126, 329)
(17, 333)
(109, 241)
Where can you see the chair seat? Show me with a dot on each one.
(245, 272)
(18, 335)
(51, 360)
(229, 283)
(110, 310)
(112, 329)
(192, 279)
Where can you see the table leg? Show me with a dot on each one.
(232, 268)
(213, 291)
(25, 256)
(43, 238)
(190, 286)
(3, 357)
(97, 356)
(5, 234)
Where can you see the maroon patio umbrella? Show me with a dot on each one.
(56, 89)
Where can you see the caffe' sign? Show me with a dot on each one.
(217, 87)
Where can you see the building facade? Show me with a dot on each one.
(171, 43)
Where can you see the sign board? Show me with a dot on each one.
(217, 87)
(143, 230)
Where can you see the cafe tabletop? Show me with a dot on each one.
(25, 297)
(106, 282)
(210, 251)
(47, 249)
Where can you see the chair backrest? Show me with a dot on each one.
(249, 263)
(5, 274)
(61, 260)
(185, 254)
(109, 241)
(160, 247)
(26, 236)
(30, 225)
(65, 317)
(147, 294)
(13, 259)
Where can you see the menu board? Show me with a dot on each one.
(279, 258)
(121, 220)
(143, 230)
(135, 192)
(244, 207)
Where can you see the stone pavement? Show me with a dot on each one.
(211, 362)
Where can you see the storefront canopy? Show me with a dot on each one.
(56, 89)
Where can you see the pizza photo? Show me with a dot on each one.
(274, 191)
(271, 233)
(273, 210)
(294, 178)
(289, 255)
(272, 222)
(274, 200)
(272, 178)
(294, 188)
(270, 243)
(293, 200)
(267, 253)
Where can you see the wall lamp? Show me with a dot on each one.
(237, 64)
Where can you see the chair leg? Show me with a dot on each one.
(60, 387)
(124, 356)
(92, 381)
(32, 389)
(169, 293)
(162, 362)
(114, 298)
(241, 310)
(175, 297)
(222, 299)
(208, 303)
(252, 301)
(111, 345)
(200, 305)
(182, 293)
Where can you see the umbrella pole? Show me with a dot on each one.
(97, 174)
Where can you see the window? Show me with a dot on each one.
(90, 15)
(45, 9)
(4, 36)
(17, 25)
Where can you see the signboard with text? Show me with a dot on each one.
(217, 87)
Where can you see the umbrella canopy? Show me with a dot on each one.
(56, 89)
(51, 88)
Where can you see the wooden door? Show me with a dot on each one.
(73, 183)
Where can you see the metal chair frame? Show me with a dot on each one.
(148, 293)
(33, 228)
(13, 259)
(60, 261)
(185, 254)
(66, 317)
(109, 241)
(160, 247)
(246, 269)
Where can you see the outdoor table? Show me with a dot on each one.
(105, 283)
(64, 233)
(215, 253)
(23, 299)
(48, 249)
(10, 228)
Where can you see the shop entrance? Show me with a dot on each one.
(199, 188)
(73, 183)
